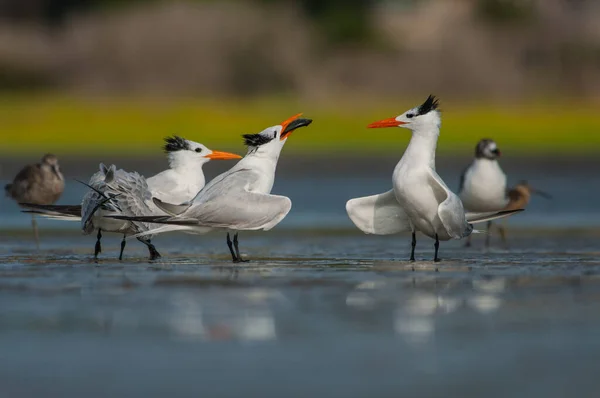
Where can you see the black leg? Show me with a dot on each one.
(413, 244)
(487, 235)
(437, 246)
(237, 249)
(230, 245)
(154, 254)
(468, 242)
(123, 243)
(98, 247)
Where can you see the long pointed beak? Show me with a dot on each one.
(292, 124)
(56, 171)
(391, 122)
(541, 193)
(218, 155)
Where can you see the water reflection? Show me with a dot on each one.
(421, 302)
(417, 330)
(484, 303)
(186, 318)
(246, 316)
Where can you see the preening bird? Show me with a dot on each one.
(420, 200)
(239, 199)
(117, 192)
(41, 183)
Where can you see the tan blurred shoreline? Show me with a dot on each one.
(545, 48)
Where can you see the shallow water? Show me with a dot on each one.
(313, 313)
(320, 310)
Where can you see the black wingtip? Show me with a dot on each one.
(510, 211)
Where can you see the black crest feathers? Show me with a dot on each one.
(430, 104)
(256, 139)
(175, 143)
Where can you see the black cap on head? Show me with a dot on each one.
(430, 104)
(257, 139)
(484, 149)
(175, 143)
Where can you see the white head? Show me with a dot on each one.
(423, 119)
(185, 153)
(271, 140)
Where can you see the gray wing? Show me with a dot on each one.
(226, 183)
(132, 197)
(242, 211)
(116, 192)
(230, 202)
(450, 211)
(92, 200)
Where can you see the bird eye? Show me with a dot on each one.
(198, 150)
(409, 115)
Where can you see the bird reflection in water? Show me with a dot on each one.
(247, 319)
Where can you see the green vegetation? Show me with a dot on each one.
(136, 126)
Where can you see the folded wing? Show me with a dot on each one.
(450, 211)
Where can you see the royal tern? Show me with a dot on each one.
(239, 199)
(41, 183)
(114, 192)
(482, 187)
(419, 200)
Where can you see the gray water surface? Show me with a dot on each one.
(321, 310)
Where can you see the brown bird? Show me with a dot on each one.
(518, 198)
(41, 183)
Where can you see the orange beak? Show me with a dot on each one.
(391, 122)
(292, 124)
(218, 155)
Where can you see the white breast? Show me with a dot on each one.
(415, 195)
(484, 187)
(172, 187)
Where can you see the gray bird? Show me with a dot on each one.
(483, 187)
(41, 183)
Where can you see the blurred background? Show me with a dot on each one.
(93, 81)
(98, 77)
(322, 309)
